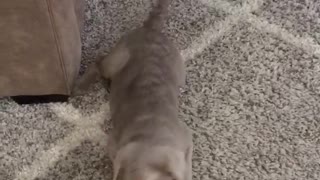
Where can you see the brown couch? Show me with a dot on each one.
(40, 47)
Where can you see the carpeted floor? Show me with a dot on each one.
(252, 96)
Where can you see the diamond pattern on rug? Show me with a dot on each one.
(300, 17)
(251, 97)
(244, 110)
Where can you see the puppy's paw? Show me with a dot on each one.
(77, 92)
(78, 89)
(107, 84)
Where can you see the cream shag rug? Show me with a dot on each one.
(252, 96)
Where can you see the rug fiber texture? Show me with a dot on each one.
(252, 96)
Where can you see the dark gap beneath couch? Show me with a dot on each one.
(40, 99)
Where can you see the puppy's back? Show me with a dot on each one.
(146, 88)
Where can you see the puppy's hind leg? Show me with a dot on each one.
(115, 61)
(90, 76)
(106, 67)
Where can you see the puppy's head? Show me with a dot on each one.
(152, 163)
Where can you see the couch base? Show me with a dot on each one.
(40, 99)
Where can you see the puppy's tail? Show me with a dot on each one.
(158, 15)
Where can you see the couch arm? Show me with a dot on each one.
(40, 47)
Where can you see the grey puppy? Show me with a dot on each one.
(148, 142)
